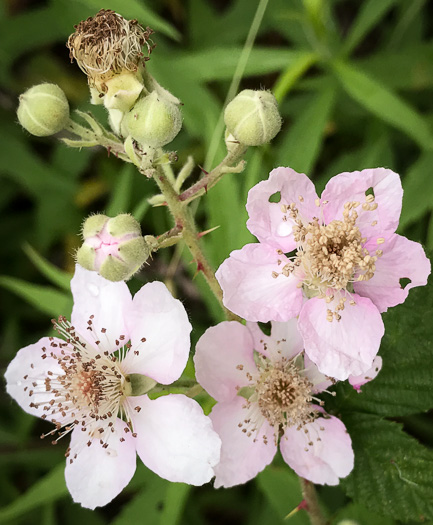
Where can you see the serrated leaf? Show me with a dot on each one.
(405, 383)
(380, 101)
(393, 472)
(45, 298)
(281, 488)
(51, 272)
(50, 488)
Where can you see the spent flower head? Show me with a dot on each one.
(107, 44)
(344, 270)
(92, 383)
(266, 397)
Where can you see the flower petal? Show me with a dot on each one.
(346, 347)
(29, 367)
(175, 439)
(251, 291)
(159, 329)
(366, 377)
(242, 457)
(223, 358)
(97, 474)
(108, 302)
(284, 341)
(401, 258)
(323, 454)
(320, 381)
(350, 187)
(266, 220)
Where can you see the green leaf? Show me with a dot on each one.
(292, 73)
(45, 298)
(121, 194)
(360, 514)
(281, 488)
(174, 503)
(393, 473)
(418, 190)
(300, 146)
(377, 99)
(49, 489)
(370, 13)
(405, 383)
(51, 272)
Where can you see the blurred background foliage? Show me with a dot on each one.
(355, 81)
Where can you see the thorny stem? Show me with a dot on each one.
(313, 508)
(184, 220)
(211, 178)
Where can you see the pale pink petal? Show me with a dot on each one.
(366, 377)
(97, 474)
(26, 374)
(285, 340)
(108, 302)
(267, 220)
(251, 291)
(319, 381)
(323, 454)
(346, 347)
(223, 358)
(175, 439)
(159, 329)
(242, 456)
(350, 187)
(401, 259)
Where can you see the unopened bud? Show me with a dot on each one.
(154, 121)
(43, 110)
(114, 247)
(252, 117)
(348, 522)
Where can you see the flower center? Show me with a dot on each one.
(281, 395)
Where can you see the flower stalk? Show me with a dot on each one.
(312, 502)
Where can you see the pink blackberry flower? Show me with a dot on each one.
(345, 270)
(264, 395)
(81, 385)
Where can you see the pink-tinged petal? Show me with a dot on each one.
(159, 329)
(267, 220)
(323, 454)
(223, 358)
(319, 381)
(29, 367)
(242, 457)
(251, 291)
(285, 340)
(108, 302)
(346, 347)
(366, 377)
(350, 187)
(97, 474)
(401, 258)
(175, 439)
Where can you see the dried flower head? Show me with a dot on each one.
(106, 44)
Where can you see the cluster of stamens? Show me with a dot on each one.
(330, 257)
(86, 389)
(281, 394)
(107, 44)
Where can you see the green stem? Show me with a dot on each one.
(313, 507)
(211, 178)
(184, 220)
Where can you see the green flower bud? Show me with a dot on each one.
(154, 121)
(252, 117)
(114, 247)
(43, 110)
